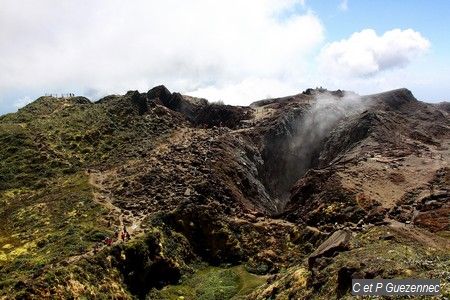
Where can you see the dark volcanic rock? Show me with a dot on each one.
(188, 106)
(162, 93)
(211, 237)
(140, 101)
(221, 115)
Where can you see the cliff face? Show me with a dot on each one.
(196, 183)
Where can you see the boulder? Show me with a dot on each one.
(338, 241)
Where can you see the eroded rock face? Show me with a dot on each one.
(319, 199)
(428, 206)
(434, 220)
(346, 135)
(396, 99)
(282, 164)
(156, 260)
(211, 237)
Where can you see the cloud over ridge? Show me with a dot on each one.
(110, 46)
(365, 53)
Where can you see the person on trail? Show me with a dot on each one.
(107, 241)
(123, 236)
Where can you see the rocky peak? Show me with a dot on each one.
(395, 99)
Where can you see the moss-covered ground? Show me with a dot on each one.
(212, 283)
(43, 227)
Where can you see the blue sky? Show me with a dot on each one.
(430, 18)
(235, 51)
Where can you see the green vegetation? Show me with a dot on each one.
(52, 137)
(44, 227)
(49, 216)
(380, 252)
(212, 283)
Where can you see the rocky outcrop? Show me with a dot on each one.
(188, 106)
(211, 237)
(221, 115)
(400, 99)
(338, 241)
(445, 106)
(162, 94)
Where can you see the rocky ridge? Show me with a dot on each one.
(306, 191)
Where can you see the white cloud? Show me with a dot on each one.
(248, 90)
(365, 53)
(110, 46)
(343, 5)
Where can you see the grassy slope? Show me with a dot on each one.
(47, 209)
(211, 283)
(43, 227)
